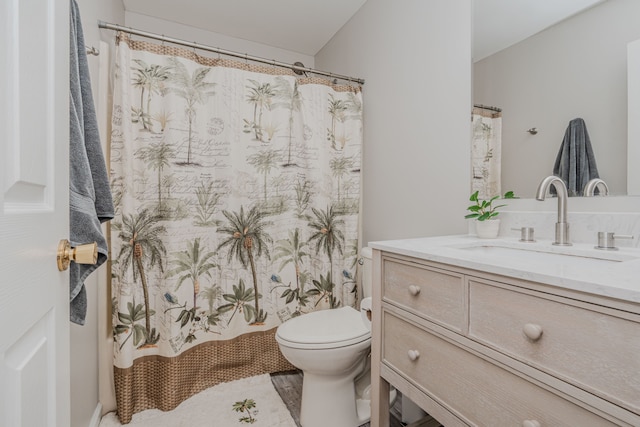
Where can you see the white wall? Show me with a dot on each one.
(84, 339)
(416, 59)
(577, 68)
(184, 32)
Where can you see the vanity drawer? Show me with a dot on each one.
(477, 391)
(593, 350)
(432, 293)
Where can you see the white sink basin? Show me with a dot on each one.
(539, 253)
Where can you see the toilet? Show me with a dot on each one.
(332, 349)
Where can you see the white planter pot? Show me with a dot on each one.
(488, 229)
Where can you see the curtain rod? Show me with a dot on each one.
(487, 107)
(298, 69)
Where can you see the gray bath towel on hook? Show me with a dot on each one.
(576, 164)
(90, 201)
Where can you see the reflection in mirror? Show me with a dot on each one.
(633, 141)
(576, 163)
(596, 186)
(485, 151)
(576, 68)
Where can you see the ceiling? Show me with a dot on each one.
(305, 26)
(302, 26)
(498, 24)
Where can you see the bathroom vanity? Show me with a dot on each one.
(503, 333)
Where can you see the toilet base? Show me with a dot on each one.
(337, 402)
(328, 401)
(363, 396)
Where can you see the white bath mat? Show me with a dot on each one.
(250, 401)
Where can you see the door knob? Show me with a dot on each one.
(83, 254)
(532, 331)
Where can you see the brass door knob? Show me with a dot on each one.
(83, 254)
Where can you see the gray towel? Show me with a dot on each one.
(576, 164)
(90, 201)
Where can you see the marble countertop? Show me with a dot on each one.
(580, 267)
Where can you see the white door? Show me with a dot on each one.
(34, 128)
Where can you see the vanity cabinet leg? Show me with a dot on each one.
(379, 386)
(380, 409)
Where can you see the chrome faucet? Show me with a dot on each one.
(562, 226)
(590, 188)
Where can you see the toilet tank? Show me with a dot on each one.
(367, 271)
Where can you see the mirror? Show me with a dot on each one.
(575, 68)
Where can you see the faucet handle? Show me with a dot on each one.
(590, 188)
(606, 240)
(526, 234)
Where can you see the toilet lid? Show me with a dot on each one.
(339, 327)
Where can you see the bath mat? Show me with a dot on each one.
(249, 401)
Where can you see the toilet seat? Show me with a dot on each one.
(325, 329)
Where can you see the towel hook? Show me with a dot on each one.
(93, 51)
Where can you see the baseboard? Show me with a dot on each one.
(97, 415)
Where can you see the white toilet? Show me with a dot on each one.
(332, 349)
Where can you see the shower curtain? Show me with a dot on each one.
(237, 193)
(486, 145)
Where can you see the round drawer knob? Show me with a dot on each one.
(532, 331)
(414, 290)
(413, 355)
(531, 423)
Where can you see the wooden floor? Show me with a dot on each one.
(289, 386)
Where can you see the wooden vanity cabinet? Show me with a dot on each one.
(478, 349)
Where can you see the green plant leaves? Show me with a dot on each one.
(483, 210)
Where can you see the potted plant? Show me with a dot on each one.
(484, 212)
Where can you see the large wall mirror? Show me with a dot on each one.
(575, 68)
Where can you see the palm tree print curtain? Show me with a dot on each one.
(237, 190)
(486, 152)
